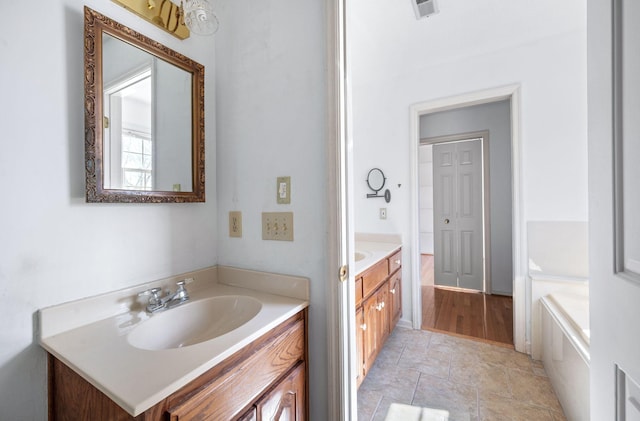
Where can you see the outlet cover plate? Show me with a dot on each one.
(277, 226)
(235, 224)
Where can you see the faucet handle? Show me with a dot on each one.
(181, 291)
(155, 295)
(184, 281)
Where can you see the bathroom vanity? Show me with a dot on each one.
(113, 367)
(378, 299)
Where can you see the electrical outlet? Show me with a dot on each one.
(277, 226)
(383, 213)
(283, 190)
(235, 224)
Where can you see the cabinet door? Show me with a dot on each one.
(361, 328)
(395, 298)
(287, 401)
(371, 320)
(358, 291)
(250, 415)
(384, 314)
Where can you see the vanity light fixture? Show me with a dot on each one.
(178, 17)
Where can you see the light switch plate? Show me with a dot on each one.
(277, 226)
(283, 190)
(235, 224)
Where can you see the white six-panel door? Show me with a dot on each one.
(458, 218)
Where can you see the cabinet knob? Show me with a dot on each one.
(363, 326)
(392, 290)
(398, 262)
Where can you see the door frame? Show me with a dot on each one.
(486, 203)
(511, 92)
(341, 387)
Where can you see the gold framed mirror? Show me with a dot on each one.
(144, 118)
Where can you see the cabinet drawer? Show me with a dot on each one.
(395, 261)
(287, 400)
(373, 277)
(358, 291)
(236, 389)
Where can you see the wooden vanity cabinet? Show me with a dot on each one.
(371, 333)
(395, 297)
(265, 380)
(361, 328)
(286, 401)
(378, 310)
(251, 415)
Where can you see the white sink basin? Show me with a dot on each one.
(360, 256)
(195, 322)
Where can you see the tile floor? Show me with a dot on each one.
(470, 379)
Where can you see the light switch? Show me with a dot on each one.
(283, 190)
(277, 226)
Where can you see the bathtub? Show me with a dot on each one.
(565, 348)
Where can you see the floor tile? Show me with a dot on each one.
(470, 379)
(368, 401)
(430, 361)
(496, 408)
(393, 382)
(457, 398)
(533, 389)
(488, 378)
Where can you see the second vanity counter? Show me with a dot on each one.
(92, 336)
(370, 250)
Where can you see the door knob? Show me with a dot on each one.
(446, 221)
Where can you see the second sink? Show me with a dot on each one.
(194, 322)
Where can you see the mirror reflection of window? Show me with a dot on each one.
(128, 134)
(137, 161)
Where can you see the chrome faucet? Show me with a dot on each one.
(158, 303)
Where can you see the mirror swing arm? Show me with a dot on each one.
(376, 181)
(95, 25)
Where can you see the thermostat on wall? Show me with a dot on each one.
(425, 8)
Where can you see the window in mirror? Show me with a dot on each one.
(128, 146)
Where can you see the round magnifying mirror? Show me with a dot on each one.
(375, 179)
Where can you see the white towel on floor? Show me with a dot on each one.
(401, 412)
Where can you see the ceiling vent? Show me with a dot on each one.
(425, 8)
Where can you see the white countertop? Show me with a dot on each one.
(137, 379)
(374, 251)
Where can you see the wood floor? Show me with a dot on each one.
(465, 313)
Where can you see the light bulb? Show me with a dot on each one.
(199, 17)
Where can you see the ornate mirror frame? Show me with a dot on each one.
(95, 25)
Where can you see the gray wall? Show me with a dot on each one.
(494, 117)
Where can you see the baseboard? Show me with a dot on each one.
(406, 324)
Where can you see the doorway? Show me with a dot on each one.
(512, 275)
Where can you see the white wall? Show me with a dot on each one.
(271, 122)
(54, 247)
(470, 46)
